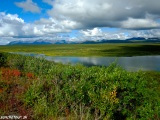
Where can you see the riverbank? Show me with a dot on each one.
(134, 63)
(41, 89)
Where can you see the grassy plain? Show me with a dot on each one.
(126, 49)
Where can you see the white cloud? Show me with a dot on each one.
(10, 25)
(9, 17)
(143, 33)
(92, 33)
(28, 6)
(132, 23)
(155, 33)
(140, 18)
(107, 13)
(70, 24)
(97, 34)
(5, 40)
(52, 26)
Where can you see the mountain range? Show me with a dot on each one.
(44, 42)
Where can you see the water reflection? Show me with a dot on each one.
(134, 63)
(129, 63)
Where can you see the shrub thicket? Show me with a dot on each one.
(3, 60)
(60, 91)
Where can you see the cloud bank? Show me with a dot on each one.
(132, 18)
(135, 14)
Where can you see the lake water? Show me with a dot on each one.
(146, 63)
(134, 63)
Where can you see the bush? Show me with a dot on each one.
(79, 92)
(3, 60)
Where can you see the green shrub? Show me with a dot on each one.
(79, 92)
(3, 59)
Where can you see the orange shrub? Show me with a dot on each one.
(30, 75)
(8, 73)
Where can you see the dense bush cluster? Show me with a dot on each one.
(56, 91)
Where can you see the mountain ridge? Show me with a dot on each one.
(44, 42)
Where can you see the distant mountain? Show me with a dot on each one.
(105, 41)
(38, 42)
(130, 40)
(143, 40)
(61, 42)
(136, 38)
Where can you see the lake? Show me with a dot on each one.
(134, 63)
(146, 63)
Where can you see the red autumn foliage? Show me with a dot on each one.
(30, 75)
(16, 73)
(9, 73)
(1, 90)
(11, 88)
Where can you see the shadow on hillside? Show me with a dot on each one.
(133, 50)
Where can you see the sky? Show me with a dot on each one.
(78, 20)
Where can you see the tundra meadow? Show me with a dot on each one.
(35, 87)
(39, 89)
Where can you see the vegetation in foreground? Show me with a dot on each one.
(40, 89)
(125, 49)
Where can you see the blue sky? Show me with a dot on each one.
(78, 20)
(10, 7)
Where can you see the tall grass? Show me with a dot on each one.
(56, 91)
